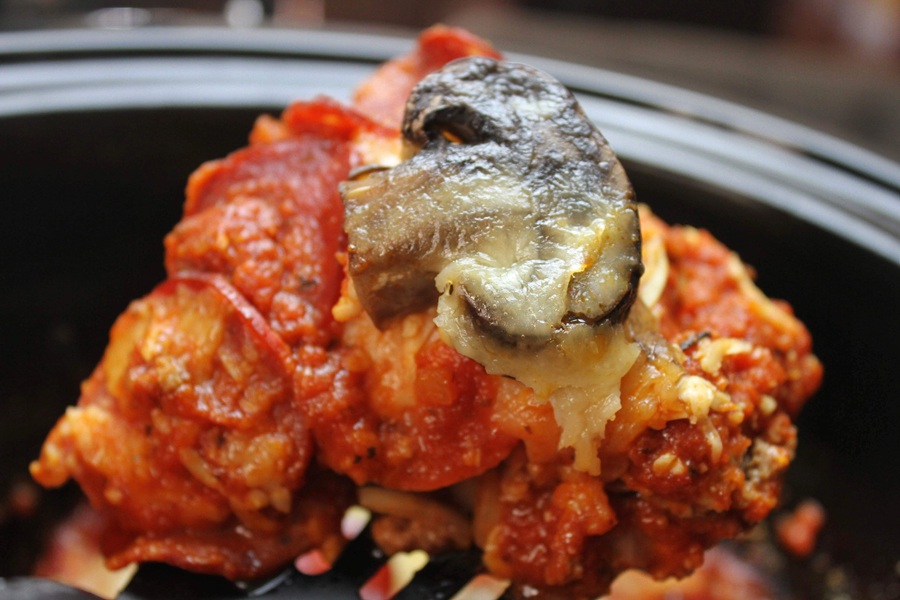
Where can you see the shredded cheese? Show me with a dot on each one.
(710, 353)
(656, 264)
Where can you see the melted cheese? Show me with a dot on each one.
(578, 373)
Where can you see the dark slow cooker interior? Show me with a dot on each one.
(88, 197)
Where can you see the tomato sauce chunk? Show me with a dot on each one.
(407, 411)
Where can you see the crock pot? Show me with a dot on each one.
(99, 131)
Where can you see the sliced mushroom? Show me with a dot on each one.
(513, 212)
(510, 195)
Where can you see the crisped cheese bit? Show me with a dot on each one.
(713, 440)
(347, 307)
(668, 464)
(768, 405)
(700, 395)
(711, 352)
(196, 466)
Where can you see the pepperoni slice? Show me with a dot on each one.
(382, 97)
(270, 219)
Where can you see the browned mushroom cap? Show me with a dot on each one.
(511, 207)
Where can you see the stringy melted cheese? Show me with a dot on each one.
(578, 373)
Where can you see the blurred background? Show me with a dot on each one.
(831, 64)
